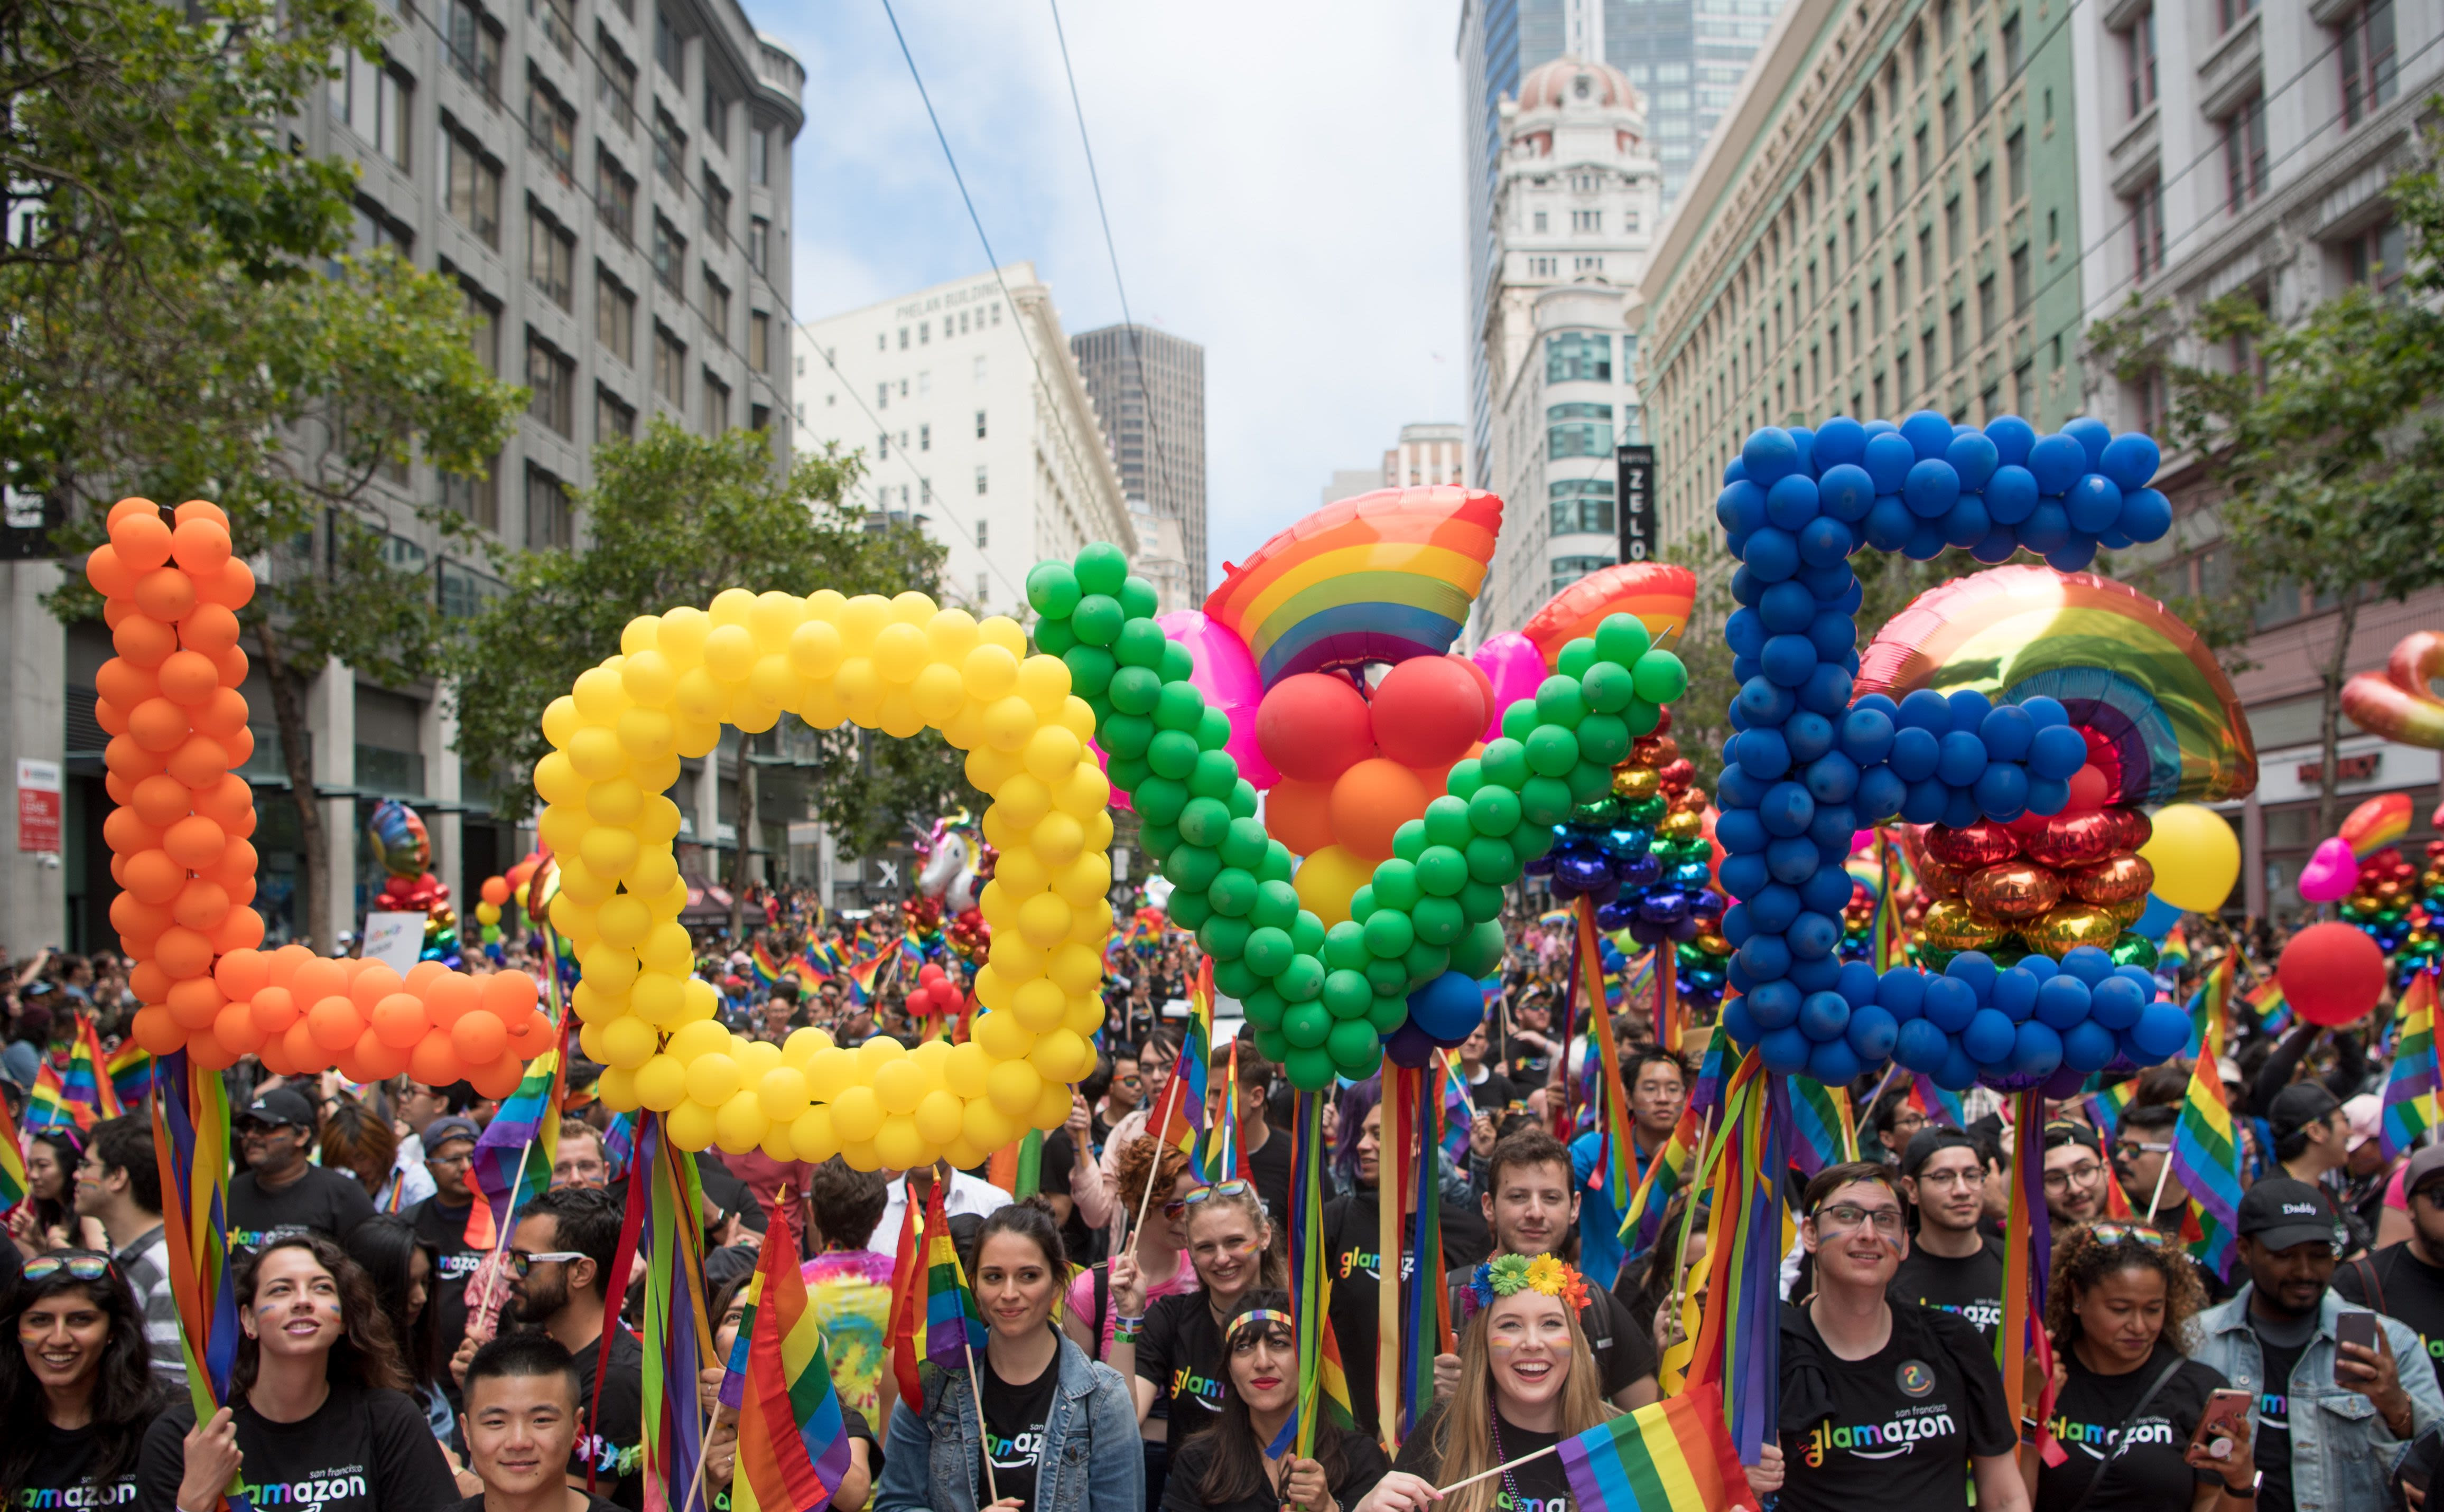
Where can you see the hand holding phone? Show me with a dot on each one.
(2220, 1445)
(2355, 1329)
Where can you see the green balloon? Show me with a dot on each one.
(1159, 839)
(1361, 903)
(1446, 820)
(1140, 643)
(1204, 822)
(1139, 598)
(1243, 846)
(1442, 871)
(1519, 719)
(1590, 783)
(1306, 1025)
(1102, 567)
(1344, 946)
(1467, 776)
(1243, 800)
(1054, 638)
(1426, 962)
(1603, 739)
(1552, 750)
(1276, 865)
(1214, 776)
(1171, 754)
(1192, 868)
(1576, 657)
(1234, 892)
(1439, 920)
(1301, 981)
(1558, 701)
(1608, 688)
(1389, 979)
(1261, 1004)
(1309, 1067)
(1189, 911)
(1234, 979)
(1277, 905)
(1224, 939)
(1090, 669)
(1479, 950)
(1530, 841)
(1053, 589)
(1213, 735)
(1269, 951)
(1178, 665)
(1307, 934)
(1391, 932)
(1396, 885)
(1661, 679)
(1408, 840)
(1389, 1010)
(1489, 860)
(1641, 717)
(1545, 801)
(1346, 994)
(1134, 692)
(1158, 800)
(1481, 902)
(1621, 639)
(1276, 1047)
(1181, 708)
(1097, 621)
(1494, 810)
(1355, 1048)
(1505, 760)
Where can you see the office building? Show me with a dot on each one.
(1575, 212)
(1149, 392)
(608, 182)
(975, 424)
(2250, 148)
(1887, 220)
(1348, 483)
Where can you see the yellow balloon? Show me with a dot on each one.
(900, 1085)
(627, 1043)
(782, 1093)
(1015, 1087)
(940, 1118)
(2196, 857)
(711, 1080)
(813, 1136)
(739, 1125)
(1326, 881)
(691, 1126)
(899, 1144)
(986, 1126)
(661, 1083)
(857, 1115)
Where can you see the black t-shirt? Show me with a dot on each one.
(2406, 1288)
(612, 1445)
(1014, 1419)
(64, 1462)
(1970, 1287)
(1541, 1484)
(1269, 1171)
(322, 1202)
(1183, 1488)
(1494, 1095)
(1894, 1430)
(2273, 1440)
(2093, 1415)
(1525, 1066)
(1624, 1351)
(1180, 1350)
(593, 1503)
(361, 1451)
(445, 1229)
(1352, 1240)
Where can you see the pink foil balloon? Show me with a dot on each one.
(2330, 874)
(1226, 674)
(1516, 667)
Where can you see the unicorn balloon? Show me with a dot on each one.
(957, 863)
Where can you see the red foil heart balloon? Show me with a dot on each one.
(1985, 843)
(2075, 839)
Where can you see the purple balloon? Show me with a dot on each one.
(1516, 668)
(1614, 917)
(1581, 873)
(1541, 866)
(1638, 870)
(1685, 928)
(2064, 1082)
(1664, 908)
(1409, 1046)
(1645, 933)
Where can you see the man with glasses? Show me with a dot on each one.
(280, 1192)
(1884, 1403)
(441, 1221)
(2142, 1149)
(2406, 1280)
(1954, 1266)
(118, 1186)
(1896, 1121)
(2074, 1175)
(580, 1161)
(2331, 1417)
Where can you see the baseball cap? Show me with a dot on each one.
(2427, 1164)
(446, 1128)
(2280, 1213)
(2298, 1105)
(1924, 1145)
(2071, 1132)
(2366, 1113)
(278, 1107)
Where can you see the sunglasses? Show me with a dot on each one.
(81, 1264)
(521, 1261)
(1177, 1208)
(2125, 1234)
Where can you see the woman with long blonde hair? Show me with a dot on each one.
(1527, 1381)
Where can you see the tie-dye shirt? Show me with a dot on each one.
(850, 1290)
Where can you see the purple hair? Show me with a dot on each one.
(1358, 1099)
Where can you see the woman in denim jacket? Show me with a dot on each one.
(1056, 1431)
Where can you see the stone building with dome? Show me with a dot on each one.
(1576, 203)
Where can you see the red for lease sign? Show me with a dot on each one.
(38, 804)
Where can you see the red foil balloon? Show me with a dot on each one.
(2012, 890)
(2331, 973)
(2075, 839)
(2117, 879)
(1985, 843)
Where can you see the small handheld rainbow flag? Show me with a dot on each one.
(14, 1181)
(1820, 1116)
(792, 1441)
(2206, 1148)
(1183, 1123)
(817, 963)
(767, 970)
(86, 1081)
(191, 1138)
(1225, 1160)
(2105, 1104)
(2410, 1086)
(1672, 1456)
(49, 1107)
(515, 1156)
(1940, 1109)
(2272, 1009)
(131, 1073)
(862, 974)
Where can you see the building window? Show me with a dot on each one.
(1578, 430)
(2139, 63)
(2020, 291)
(717, 404)
(670, 150)
(980, 477)
(670, 254)
(1980, 94)
(475, 45)
(614, 419)
(980, 419)
(1985, 311)
(716, 210)
(552, 374)
(759, 243)
(558, 20)
(615, 316)
(478, 499)
(759, 157)
(759, 340)
(483, 324)
(1983, 183)
(550, 525)
(474, 183)
(983, 535)
(2368, 61)
(670, 367)
(2233, 12)
(551, 255)
(1580, 506)
(669, 49)
(716, 306)
(2011, 46)
(1953, 240)
(2146, 215)
(551, 126)
(717, 116)
(615, 195)
(1575, 357)
(1567, 570)
(374, 100)
(2015, 166)
(2244, 153)
(2378, 256)
(1587, 220)
(1925, 155)
(1950, 120)
(615, 85)
(1543, 267)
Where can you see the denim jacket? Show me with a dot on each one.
(2342, 1453)
(1091, 1461)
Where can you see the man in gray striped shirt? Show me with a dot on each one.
(118, 1186)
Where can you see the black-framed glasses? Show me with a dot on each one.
(1177, 1208)
(2080, 1174)
(1847, 1216)
(84, 1265)
(522, 1260)
(2141, 1147)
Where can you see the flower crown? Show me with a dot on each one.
(1509, 1275)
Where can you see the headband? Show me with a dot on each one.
(1261, 1315)
(1509, 1275)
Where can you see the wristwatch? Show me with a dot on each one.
(2256, 1479)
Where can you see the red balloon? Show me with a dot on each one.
(2331, 973)
(1428, 709)
(2088, 790)
(1314, 726)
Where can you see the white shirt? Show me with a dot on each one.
(967, 1196)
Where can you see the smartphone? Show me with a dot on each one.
(2353, 1328)
(2227, 1413)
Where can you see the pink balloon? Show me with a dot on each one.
(1517, 669)
(1226, 674)
(2330, 874)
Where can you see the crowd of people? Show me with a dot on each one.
(1134, 1364)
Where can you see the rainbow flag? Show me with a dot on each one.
(14, 1181)
(2175, 953)
(619, 1144)
(1940, 1108)
(191, 1138)
(792, 1441)
(1667, 1173)
(817, 963)
(2206, 1147)
(2410, 1086)
(1225, 1160)
(131, 1073)
(2273, 1011)
(1673, 1456)
(954, 1331)
(2104, 1107)
(1615, 1173)
(86, 1081)
(862, 974)
(1459, 1109)
(49, 1106)
(1183, 1120)
(767, 970)
(1324, 1384)
(678, 1341)
(514, 1158)
(1820, 1116)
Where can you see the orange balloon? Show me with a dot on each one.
(209, 1053)
(221, 715)
(273, 1009)
(116, 612)
(196, 1002)
(1299, 814)
(194, 842)
(374, 982)
(376, 1061)
(201, 905)
(285, 962)
(125, 831)
(1370, 800)
(241, 747)
(128, 759)
(420, 978)
(237, 864)
(202, 546)
(435, 1061)
(495, 890)
(165, 593)
(233, 667)
(153, 877)
(450, 997)
(400, 1020)
(109, 576)
(317, 979)
(141, 539)
(243, 928)
(211, 629)
(112, 718)
(122, 791)
(230, 587)
(130, 914)
(132, 503)
(234, 1029)
(124, 683)
(498, 1080)
(275, 1055)
(200, 509)
(161, 800)
(189, 677)
(157, 725)
(530, 1034)
(303, 1051)
(156, 1031)
(148, 981)
(508, 994)
(200, 761)
(144, 642)
(335, 1023)
(226, 802)
(242, 973)
(183, 952)
(479, 1038)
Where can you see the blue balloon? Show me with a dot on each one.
(2010, 494)
(1769, 703)
(1915, 753)
(1828, 892)
(1958, 1073)
(2093, 503)
(1742, 875)
(1823, 1015)
(1880, 794)
(1809, 735)
(1785, 608)
(2015, 993)
(2072, 555)
(1967, 710)
(1791, 502)
(1773, 554)
(1788, 659)
(1925, 542)
(1950, 1004)
(1921, 1046)
(2088, 1045)
(1871, 1032)
(1784, 1050)
(2087, 963)
(2145, 515)
(2092, 434)
(1834, 634)
(1925, 710)
(2012, 436)
(2056, 462)
(1832, 778)
(1786, 809)
(2162, 1030)
(1833, 1063)
(2061, 1002)
(1766, 957)
(1959, 760)
(1824, 542)
(2130, 459)
(1932, 490)
(1926, 801)
(1989, 1038)
(2035, 1051)
(2048, 526)
(1814, 936)
(1846, 491)
(1791, 858)
(1965, 524)
(2158, 919)
(2117, 1002)
(1976, 969)
(1959, 807)
(1740, 508)
(2057, 753)
(1774, 1004)
(1819, 975)
(1975, 456)
(1449, 1008)
(1737, 1020)
(2007, 732)
(1769, 455)
(1903, 990)
(2002, 790)
(1927, 433)
(1888, 460)
(1827, 688)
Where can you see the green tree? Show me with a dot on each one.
(673, 519)
(184, 322)
(2328, 450)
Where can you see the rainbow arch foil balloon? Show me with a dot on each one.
(2120, 664)
(1661, 597)
(2400, 703)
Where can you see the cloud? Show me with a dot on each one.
(1283, 185)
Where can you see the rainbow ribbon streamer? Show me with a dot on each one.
(1323, 1385)
(1738, 1348)
(1425, 1307)
(1820, 1116)
(2410, 1086)
(2206, 1148)
(677, 1342)
(1614, 1175)
(191, 1138)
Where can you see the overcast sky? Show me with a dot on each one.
(1283, 181)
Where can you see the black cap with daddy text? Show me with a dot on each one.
(2280, 1213)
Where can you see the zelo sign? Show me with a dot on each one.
(1636, 469)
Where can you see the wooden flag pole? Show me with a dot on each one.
(1154, 1167)
(976, 1389)
(1506, 1465)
